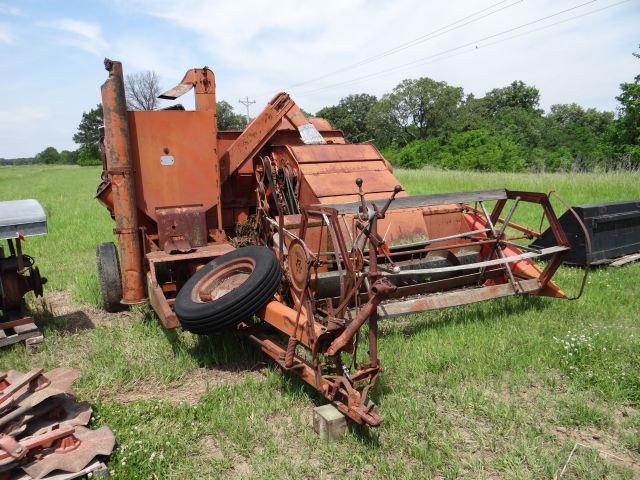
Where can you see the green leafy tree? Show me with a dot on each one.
(513, 112)
(572, 114)
(477, 149)
(582, 134)
(416, 109)
(88, 135)
(471, 115)
(421, 153)
(525, 127)
(627, 128)
(86, 158)
(517, 95)
(482, 150)
(69, 157)
(227, 118)
(350, 116)
(49, 156)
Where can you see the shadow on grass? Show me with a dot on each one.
(492, 310)
(224, 351)
(228, 351)
(68, 323)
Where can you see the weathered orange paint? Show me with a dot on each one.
(120, 171)
(190, 173)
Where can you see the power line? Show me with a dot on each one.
(444, 52)
(423, 38)
(554, 24)
(384, 73)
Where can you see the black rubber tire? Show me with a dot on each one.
(238, 304)
(109, 277)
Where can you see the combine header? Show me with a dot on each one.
(334, 241)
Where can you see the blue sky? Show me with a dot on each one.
(51, 52)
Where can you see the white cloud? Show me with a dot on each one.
(6, 34)
(136, 53)
(21, 115)
(84, 35)
(265, 47)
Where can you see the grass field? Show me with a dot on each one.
(503, 389)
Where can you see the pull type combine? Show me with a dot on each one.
(334, 242)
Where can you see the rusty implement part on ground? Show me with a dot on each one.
(316, 237)
(28, 390)
(43, 426)
(74, 453)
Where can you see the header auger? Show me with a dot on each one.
(335, 242)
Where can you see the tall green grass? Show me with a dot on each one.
(577, 188)
(66, 255)
(493, 390)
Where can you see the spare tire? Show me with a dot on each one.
(228, 290)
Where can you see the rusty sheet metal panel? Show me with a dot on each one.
(413, 225)
(175, 159)
(333, 185)
(399, 227)
(345, 167)
(182, 224)
(335, 153)
(444, 221)
(350, 198)
(329, 171)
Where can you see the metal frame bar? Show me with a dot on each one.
(487, 263)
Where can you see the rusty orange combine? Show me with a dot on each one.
(335, 242)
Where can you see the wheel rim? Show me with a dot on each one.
(222, 280)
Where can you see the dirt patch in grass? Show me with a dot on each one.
(241, 468)
(70, 317)
(193, 385)
(209, 448)
(603, 444)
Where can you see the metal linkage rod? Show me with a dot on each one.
(497, 245)
(487, 263)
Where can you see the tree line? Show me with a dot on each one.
(426, 122)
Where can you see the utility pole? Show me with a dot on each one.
(247, 103)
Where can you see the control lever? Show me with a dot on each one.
(396, 190)
(371, 214)
(361, 193)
